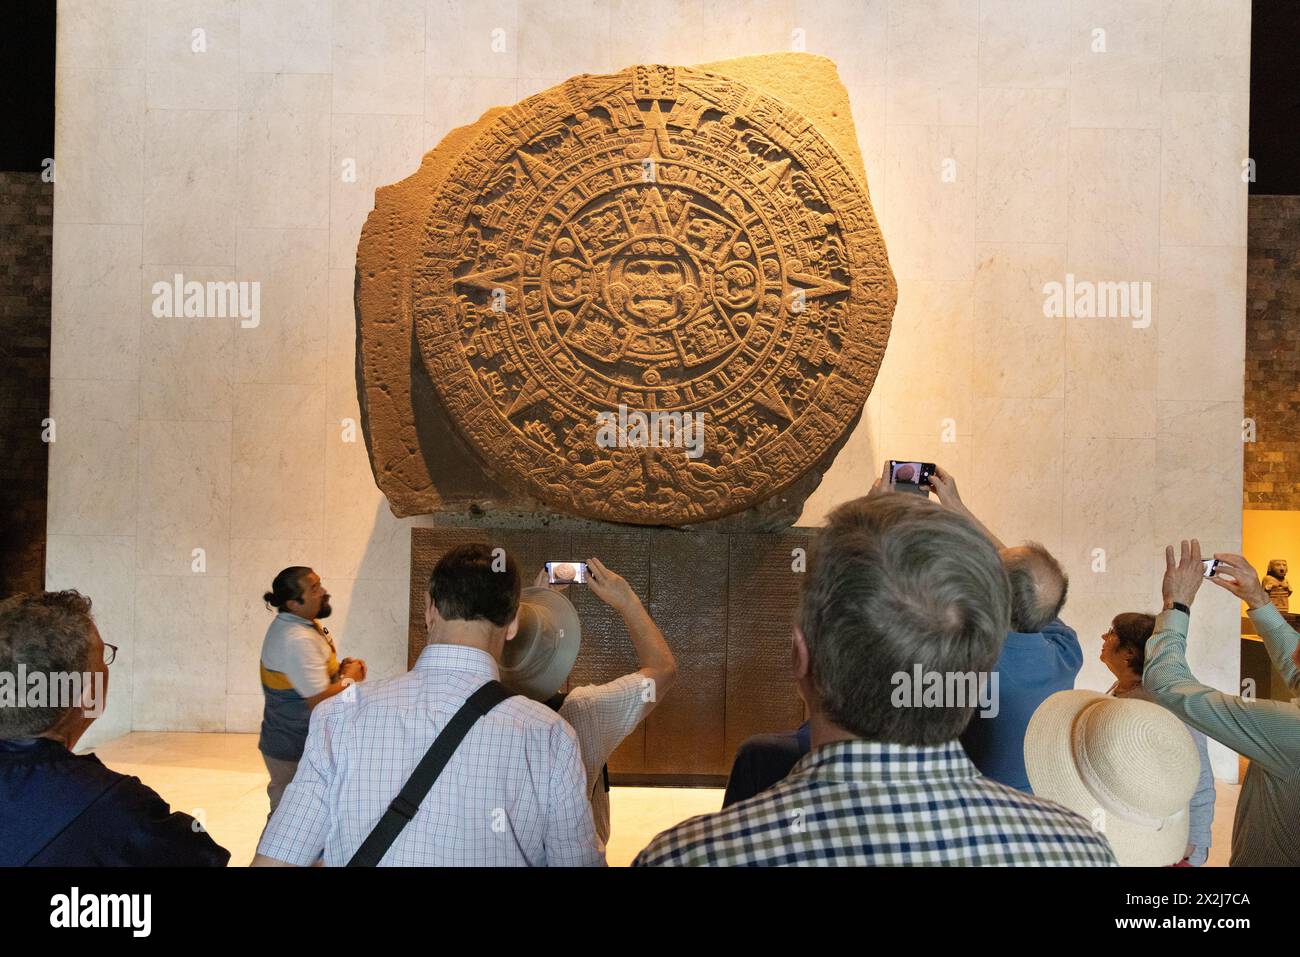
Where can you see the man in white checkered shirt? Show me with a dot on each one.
(895, 582)
(514, 791)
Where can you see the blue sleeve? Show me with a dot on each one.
(1066, 643)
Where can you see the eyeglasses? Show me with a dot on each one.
(110, 652)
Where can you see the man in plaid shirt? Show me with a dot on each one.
(897, 587)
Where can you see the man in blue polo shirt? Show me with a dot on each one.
(1041, 655)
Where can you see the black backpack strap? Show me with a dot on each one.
(407, 803)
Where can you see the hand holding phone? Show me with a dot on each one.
(611, 587)
(910, 476)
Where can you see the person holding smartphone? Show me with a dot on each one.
(1040, 657)
(1266, 830)
(604, 715)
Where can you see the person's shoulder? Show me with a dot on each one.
(724, 837)
(1054, 632)
(680, 844)
(376, 697)
(304, 638)
(77, 771)
(127, 797)
(626, 686)
(288, 637)
(285, 626)
(527, 714)
(1038, 817)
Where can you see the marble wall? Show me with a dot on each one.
(1008, 143)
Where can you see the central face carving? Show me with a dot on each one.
(653, 283)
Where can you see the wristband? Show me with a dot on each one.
(1179, 606)
(345, 681)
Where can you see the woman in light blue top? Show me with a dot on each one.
(1123, 651)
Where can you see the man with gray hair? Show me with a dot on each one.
(57, 808)
(899, 592)
(1041, 655)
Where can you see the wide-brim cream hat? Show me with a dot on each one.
(1129, 766)
(537, 661)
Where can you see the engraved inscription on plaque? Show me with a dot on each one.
(661, 240)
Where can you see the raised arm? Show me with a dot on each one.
(1238, 576)
(945, 490)
(1263, 731)
(652, 652)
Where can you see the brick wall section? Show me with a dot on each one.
(26, 231)
(1272, 461)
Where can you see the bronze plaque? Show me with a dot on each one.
(656, 297)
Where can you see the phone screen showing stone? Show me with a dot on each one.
(911, 476)
(566, 573)
(1210, 564)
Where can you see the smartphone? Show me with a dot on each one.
(1211, 565)
(911, 476)
(566, 573)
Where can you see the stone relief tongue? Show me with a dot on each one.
(669, 247)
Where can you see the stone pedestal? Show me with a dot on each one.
(725, 602)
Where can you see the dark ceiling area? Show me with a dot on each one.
(27, 90)
(1275, 97)
(27, 84)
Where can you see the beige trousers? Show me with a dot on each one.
(282, 773)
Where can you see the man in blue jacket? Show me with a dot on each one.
(59, 809)
(1041, 655)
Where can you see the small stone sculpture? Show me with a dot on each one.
(1278, 588)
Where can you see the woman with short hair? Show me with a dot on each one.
(1123, 651)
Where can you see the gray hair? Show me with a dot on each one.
(48, 632)
(897, 581)
(1038, 587)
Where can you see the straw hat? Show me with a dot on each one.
(1130, 760)
(537, 661)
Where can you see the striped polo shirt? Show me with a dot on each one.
(298, 662)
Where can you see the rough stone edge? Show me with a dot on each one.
(808, 83)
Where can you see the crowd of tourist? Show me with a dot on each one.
(476, 757)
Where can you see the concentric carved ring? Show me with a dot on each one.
(660, 240)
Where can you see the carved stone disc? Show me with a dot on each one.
(662, 240)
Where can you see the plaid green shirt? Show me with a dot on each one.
(867, 803)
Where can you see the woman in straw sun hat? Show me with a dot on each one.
(1123, 651)
(1129, 766)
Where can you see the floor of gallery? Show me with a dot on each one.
(220, 779)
